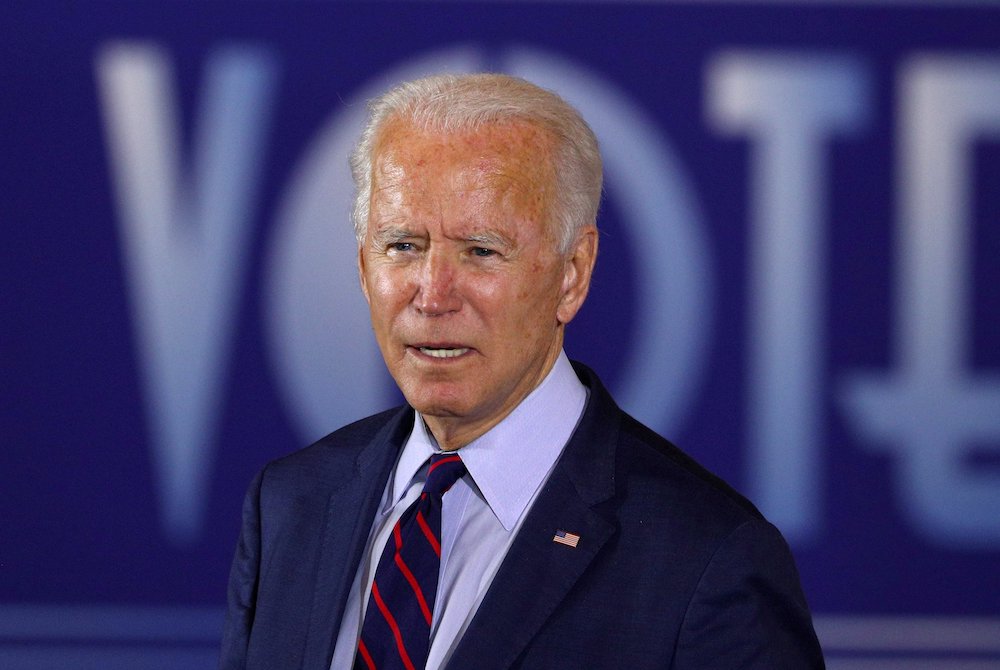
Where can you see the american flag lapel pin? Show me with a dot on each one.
(569, 539)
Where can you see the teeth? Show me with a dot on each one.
(443, 353)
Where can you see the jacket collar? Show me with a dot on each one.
(343, 542)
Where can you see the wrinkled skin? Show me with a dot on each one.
(468, 292)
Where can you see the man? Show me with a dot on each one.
(567, 535)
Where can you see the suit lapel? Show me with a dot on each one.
(538, 573)
(535, 576)
(346, 534)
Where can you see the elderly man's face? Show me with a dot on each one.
(467, 288)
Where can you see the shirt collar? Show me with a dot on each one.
(510, 461)
(420, 446)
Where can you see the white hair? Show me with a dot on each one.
(456, 103)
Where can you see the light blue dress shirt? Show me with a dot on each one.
(480, 515)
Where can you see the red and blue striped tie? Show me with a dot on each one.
(397, 626)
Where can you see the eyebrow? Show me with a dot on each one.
(490, 239)
(391, 235)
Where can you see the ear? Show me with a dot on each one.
(577, 271)
(362, 275)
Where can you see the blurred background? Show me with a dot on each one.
(798, 284)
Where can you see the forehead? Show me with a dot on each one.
(494, 154)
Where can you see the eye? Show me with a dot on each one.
(483, 252)
(401, 246)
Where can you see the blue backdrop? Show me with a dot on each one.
(798, 283)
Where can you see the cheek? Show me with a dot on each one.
(534, 305)
(491, 292)
(527, 290)
(386, 292)
(542, 288)
(382, 285)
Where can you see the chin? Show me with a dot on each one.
(437, 404)
(439, 410)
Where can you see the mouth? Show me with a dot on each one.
(442, 352)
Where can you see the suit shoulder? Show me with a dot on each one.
(657, 461)
(338, 449)
(656, 478)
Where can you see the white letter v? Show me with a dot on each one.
(184, 242)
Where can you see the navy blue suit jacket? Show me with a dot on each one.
(673, 569)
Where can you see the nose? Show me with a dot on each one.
(437, 291)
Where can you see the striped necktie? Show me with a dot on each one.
(397, 626)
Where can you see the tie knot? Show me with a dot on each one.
(444, 471)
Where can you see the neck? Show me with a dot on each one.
(451, 437)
